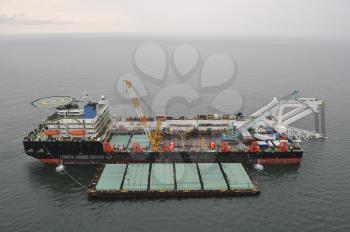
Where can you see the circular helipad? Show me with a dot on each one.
(51, 102)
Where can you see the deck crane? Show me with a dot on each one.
(154, 136)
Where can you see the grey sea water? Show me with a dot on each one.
(311, 197)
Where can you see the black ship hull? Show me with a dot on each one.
(91, 152)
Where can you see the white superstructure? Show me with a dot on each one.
(86, 120)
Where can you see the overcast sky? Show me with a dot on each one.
(297, 18)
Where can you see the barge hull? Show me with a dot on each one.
(174, 194)
(161, 181)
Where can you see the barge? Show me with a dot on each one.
(171, 180)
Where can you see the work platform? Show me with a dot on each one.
(162, 180)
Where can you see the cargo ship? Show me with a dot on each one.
(82, 131)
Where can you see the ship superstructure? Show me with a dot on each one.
(76, 120)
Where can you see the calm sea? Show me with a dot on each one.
(311, 197)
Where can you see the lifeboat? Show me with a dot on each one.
(51, 132)
(79, 132)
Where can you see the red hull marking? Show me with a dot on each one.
(50, 161)
(279, 161)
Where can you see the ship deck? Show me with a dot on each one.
(183, 142)
(162, 180)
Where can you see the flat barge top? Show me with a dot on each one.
(162, 180)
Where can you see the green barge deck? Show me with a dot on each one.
(162, 180)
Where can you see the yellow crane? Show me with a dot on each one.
(203, 144)
(155, 136)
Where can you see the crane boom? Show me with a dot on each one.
(155, 137)
(136, 102)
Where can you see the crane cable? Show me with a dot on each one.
(70, 175)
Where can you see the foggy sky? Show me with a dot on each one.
(296, 18)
